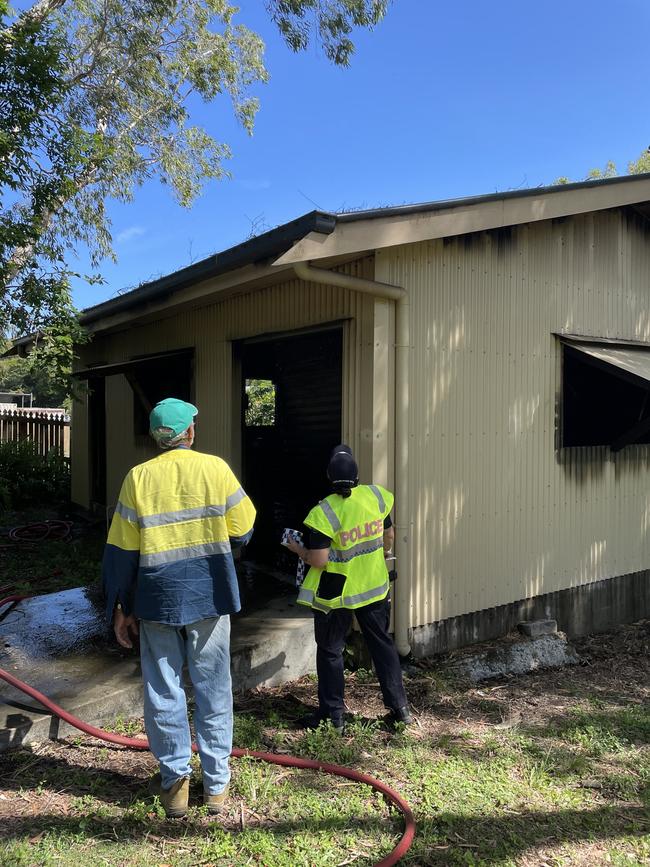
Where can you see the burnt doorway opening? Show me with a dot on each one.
(291, 421)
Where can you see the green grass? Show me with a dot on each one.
(481, 797)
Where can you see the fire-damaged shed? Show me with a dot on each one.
(487, 358)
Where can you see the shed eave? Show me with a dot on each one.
(235, 260)
(203, 292)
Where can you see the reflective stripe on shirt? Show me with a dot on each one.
(367, 594)
(380, 499)
(336, 556)
(330, 514)
(309, 597)
(126, 513)
(235, 499)
(181, 515)
(305, 595)
(177, 517)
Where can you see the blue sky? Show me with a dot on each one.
(442, 100)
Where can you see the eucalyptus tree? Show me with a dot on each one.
(94, 101)
(641, 165)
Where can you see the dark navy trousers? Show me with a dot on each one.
(330, 631)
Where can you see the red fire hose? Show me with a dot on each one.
(39, 531)
(288, 761)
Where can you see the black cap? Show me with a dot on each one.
(342, 468)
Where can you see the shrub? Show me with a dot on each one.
(28, 478)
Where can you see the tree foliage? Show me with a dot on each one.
(640, 165)
(636, 167)
(333, 21)
(94, 100)
(35, 162)
(46, 371)
(260, 403)
(19, 376)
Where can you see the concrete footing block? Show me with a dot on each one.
(519, 657)
(537, 628)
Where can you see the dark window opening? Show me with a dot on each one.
(602, 403)
(259, 403)
(155, 380)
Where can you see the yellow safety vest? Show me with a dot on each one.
(355, 524)
(180, 505)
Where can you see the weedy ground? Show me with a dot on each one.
(546, 769)
(44, 567)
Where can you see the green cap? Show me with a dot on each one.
(171, 417)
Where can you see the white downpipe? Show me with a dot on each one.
(402, 346)
(403, 523)
(347, 281)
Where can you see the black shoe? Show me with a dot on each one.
(399, 715)
(313, 721)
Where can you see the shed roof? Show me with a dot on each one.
(323, 235)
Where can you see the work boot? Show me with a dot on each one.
(216, 803)
(175, 799)
(313, 721)
(399, 715)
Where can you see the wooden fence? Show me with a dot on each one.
(48, 428)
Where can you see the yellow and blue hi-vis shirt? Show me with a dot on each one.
(168, 557)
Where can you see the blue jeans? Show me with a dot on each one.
(205, 647)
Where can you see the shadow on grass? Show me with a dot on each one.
(521, 695)
(23, 770)
(449, 839)
(603, 729)
(429, 694)
(567, 743)
(443, 839)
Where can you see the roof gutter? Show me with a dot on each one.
(259, 249)
(398, 294)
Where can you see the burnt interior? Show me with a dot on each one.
(602, 405)
(285, 449)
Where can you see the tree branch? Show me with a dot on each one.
(37, 14)
(95, 46)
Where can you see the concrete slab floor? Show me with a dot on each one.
(60, 644)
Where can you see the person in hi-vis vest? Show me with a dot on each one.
(169, 576)
(349, 536)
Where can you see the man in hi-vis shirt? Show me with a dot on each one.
(168, 573)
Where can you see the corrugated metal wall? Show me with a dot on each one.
(499, 514)
(211, 330)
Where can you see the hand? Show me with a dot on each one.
(125, 628)
(296, 547)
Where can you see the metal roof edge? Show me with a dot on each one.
(467, 201)
(276, 242)
(21, 345)
(588, 339)
(264, 246)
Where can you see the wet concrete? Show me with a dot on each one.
(59, 644)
